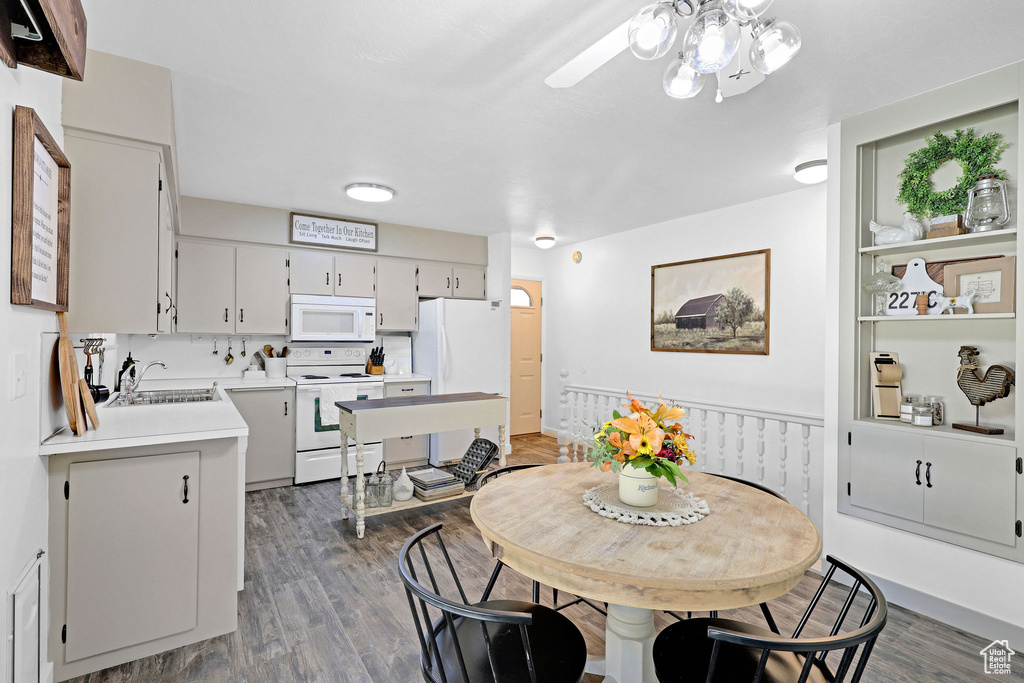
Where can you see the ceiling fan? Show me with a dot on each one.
(726, 37)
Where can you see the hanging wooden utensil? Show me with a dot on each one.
(88, 403)
(69, 378)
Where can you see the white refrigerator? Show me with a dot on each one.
(460, 344)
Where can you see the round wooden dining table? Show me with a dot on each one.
(752, 547)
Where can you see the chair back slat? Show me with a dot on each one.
(715, 650)
(842, 616)
(453, 633)
(805, 672)
(859, 671)
(530, 666)
(451, 568)
(762, 662)
(844, 664)
(814, 601)
(430, 570)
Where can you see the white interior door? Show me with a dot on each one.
(133, 551)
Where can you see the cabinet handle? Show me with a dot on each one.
(403, 438)
(225, 315)
(917, 473)
(286, 407)
(169, 301)
(185, 478)
(241, 315)
(381, 323)
(456, 283)
(409, 389)
(449, 281)
(928, 473)
(328, 274)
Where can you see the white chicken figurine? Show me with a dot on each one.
(910, 231)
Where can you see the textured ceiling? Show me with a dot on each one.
(284, 103)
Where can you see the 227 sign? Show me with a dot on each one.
(905, 303)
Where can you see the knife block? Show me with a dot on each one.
(374, 369)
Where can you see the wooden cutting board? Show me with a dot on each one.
(69, 378)
(88, 403)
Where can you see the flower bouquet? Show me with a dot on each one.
(642, 447)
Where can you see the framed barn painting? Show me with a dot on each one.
(712, 305)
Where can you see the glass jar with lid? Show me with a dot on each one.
(922, 414)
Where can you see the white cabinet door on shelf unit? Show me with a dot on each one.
(883, 471)
(206, 288)
(971, 488)
(312, 272)
(469, 283)
(115, 216)
(435, 280)
(397, 300)
(261, 291)
(132, 551)
(165, 261)
(406, 451)
(354, 275)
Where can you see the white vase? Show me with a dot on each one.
(403, 486)
(638, 487)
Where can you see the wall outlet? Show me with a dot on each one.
(19, 375)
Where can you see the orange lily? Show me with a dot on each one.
(665, 414)
(644, 434)
(625, 447)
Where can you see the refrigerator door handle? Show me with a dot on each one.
(444, 353)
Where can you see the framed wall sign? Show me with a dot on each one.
(40, 216)
(712, 305)
(993, 280)
(333, 232)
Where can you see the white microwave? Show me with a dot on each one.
(332, 319)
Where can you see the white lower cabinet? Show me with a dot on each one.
(406, 451)
(132, 551)
(270, 454)
(965, 487)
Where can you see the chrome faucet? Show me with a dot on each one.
(128, 387)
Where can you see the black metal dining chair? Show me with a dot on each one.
(728, 651)
(490, 641)
(494, 474)
(764, 605)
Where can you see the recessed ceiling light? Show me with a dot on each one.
(811, 172)
(368, 192)
(544, 241)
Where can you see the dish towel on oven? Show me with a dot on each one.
(329, 393)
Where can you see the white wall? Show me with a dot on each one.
(499, 284)
(597, 313)
(23, 502)
(976, 592)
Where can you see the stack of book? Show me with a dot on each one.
(435, 484)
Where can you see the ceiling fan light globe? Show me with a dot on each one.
(652, 32)
(681, 81)
(745, 11)
(775, 44)
(712, 40)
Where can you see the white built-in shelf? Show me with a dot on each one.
(945, 430)
(922, 318)
(414, 502)
(990, 237)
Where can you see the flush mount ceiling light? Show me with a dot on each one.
(368, 192)
(544, 241)
(728, 38)
(811, 172)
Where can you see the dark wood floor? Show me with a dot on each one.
(320, 605)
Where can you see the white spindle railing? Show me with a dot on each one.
(584, 409)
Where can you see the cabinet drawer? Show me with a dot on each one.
(406, 389)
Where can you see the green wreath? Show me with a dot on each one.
(977, 157)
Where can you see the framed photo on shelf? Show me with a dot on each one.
(993, 280)
(40, 216)
(712, 305)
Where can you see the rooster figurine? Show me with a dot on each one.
(910, 231)
(981, 389)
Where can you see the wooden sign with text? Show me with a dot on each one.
(333, 232)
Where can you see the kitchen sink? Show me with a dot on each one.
(167, 396)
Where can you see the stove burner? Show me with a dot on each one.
(355, 374)
(314, 377)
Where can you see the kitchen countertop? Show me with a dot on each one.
(145, 425)
(389, 379)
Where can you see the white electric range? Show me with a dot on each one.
(318, 447)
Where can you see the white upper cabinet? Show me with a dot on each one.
(469, 283)
(397, 300)
(165, 265)
(206, 287)
(261, 291)
(115, 236)
(435, 280)
(312, 272)
(354, 275)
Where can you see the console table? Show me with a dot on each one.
(385, 418)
